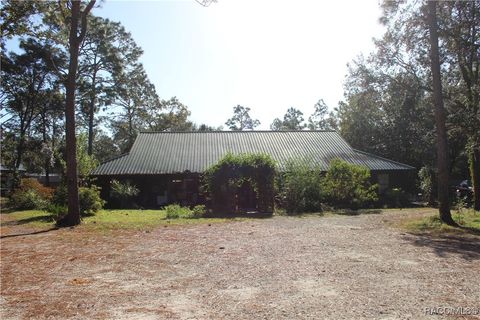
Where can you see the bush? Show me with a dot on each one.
(347, 186)
(31, 194)
(27, 200)
(427, 183)
(89, 200)
(60, 196)
(33, 184)
(199, 211)
(123, 193)
(57, 211)
(300, 187)
(175, 211)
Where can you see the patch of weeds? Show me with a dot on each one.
(468, 221)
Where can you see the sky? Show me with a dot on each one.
(267, 55)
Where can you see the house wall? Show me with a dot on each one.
(404, 179)
(184, 188)
(156, 190)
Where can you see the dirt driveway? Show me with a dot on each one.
(334, 267)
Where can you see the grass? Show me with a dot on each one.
(106, 219)
(468, 221)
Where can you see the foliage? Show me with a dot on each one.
(175, 211)
(31, 194)
(319, 120)
(85, 162)
(123, 193)
(108, 50)
(60, 196)
(426, 175)
(222, 180)
(57, 211)
(241, 119)
(347, 185)
(300, 187)
(33, 184)
(199, 211)
(27, 200)
(126, 189)
(89, 200)
(292, 120)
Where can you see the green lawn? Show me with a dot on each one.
(105, 219)
(468, 220)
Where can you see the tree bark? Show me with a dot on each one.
(91, 114)
(442, 149)
(73, 216)
(475, 175)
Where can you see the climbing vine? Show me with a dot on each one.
(223, 180)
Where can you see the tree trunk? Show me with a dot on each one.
(91, 114)
(73, 216)
(475, 175)
(20, 149)
(442, 150)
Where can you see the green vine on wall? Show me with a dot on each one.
(223, 179)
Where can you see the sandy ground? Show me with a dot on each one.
(334, 267)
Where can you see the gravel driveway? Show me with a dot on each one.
(333, 267)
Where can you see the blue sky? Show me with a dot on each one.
(267, 55)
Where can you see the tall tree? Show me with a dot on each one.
(459, 31)
(440, 117)
(171, 115)
(321, 119)
(241, 119)
(292, 120)
(78, 29)
(106, 50)
(137, 99)
(26, 90)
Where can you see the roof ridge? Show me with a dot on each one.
(389, 160)
(115, 157)
(238, 131)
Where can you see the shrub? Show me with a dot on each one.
(427, 183)
(31, 194)
(347, 185)
(57, 211)
(89, 200)
(175, 211)
(60, 196)
(199, 211)
(27, 200)
(123, 193)
(300, 187)
(33, 184)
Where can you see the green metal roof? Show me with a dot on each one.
(175, 152)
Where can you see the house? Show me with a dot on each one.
(167, 166)
(7, 175)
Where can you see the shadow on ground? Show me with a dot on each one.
(44, 218)
(31, 233)
(465, 246)
(350, 212)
